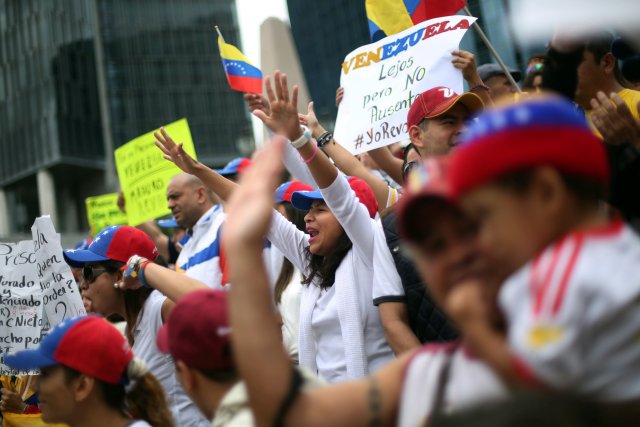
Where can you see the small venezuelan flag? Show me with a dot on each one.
(241, 74)
(387, 17)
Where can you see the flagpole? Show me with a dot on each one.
(219, 33)
(493, 51)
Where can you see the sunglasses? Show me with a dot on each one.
(90, 273)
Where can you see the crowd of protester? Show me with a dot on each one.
(487, 273)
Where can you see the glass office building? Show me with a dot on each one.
(79, 78)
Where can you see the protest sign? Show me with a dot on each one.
(144, 173)
(61, 297)
(382, 79)
(37, 290)
(103, 211)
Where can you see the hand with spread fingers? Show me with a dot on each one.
(250, 207)
(613, 119)
(284, 107)
(175, 152)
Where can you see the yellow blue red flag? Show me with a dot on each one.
(387, 17)
(242, 75)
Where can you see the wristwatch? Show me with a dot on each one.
(303, 139)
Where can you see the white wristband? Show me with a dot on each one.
(303, 139)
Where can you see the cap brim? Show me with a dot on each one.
(78, 258)
(302, 200)
(168, 223)
(28, 359)
(162, 339)
(471, 101)
(227, 171)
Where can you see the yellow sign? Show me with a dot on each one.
(144, 173)
(103, 211)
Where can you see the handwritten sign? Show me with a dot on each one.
(103, 211)
(37, 290)
(144, 173)
(382, 79)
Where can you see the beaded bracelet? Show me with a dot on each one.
(324, 138)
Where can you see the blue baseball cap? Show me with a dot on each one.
(285, 191)
(303, 200)
(168, 223)
(87, 344)
(117, 243)
(235, 166)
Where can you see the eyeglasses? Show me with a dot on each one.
(90, 273)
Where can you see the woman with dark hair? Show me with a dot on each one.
(90, 377)
(144, 309)
(340, 336)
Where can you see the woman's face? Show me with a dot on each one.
(57, 400)
(98, 290)
(324, 229)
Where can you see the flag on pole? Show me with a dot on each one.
(241, 74)
(387, 17)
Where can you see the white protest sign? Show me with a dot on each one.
(382, 79)
(21, 309)
(61, 296)
(37, 290)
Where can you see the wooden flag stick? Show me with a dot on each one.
(493, 51)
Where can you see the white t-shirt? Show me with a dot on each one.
(139, 423)
(161, 365)
(387, 284)
(573, 314)
(200, 254)
(469, 381)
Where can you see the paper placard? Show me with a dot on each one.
(382, 79)
(103, 211)
(144, 173)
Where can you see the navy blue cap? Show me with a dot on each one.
(235, 166)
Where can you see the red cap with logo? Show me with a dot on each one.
(439, 100)
(198, 331)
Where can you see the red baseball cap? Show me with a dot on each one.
(304, 199)
(426, 181)
(117, 243)
(198, 331)
(438, 100)
(235, 166)
(87, 344)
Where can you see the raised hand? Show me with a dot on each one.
(339, 96)
(284, 108)
(250, 207)
(466, 62)
(613, 118)
(174, 152)
(311, 121)
(257, 102)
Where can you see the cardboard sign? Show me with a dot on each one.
(103, 211)
(382, 79)
(37, 290)
(144, 173)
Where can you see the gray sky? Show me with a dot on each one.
(251, 13)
